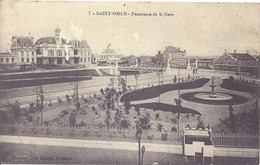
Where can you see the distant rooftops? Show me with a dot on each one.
(109, 51)
(171, 49)
(242, 56)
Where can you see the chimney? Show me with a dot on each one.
(178, 48)
(184, 51)
(235, 51)
(225, 50)
(247, 51)
(159, 52)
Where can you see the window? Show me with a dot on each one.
(7, 59)
(22, 59)
(12, 59)
(84, 58)
(50, 52)
(27, 59)
(32, 59)
(81, 59)
(27, 53)
(33, 53)
(2, 60)
(22, 53)
(59, 53)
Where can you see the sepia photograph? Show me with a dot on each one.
(129, 83)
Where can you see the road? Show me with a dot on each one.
(27, 95)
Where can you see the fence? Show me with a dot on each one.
(91, 134)
(219, 140)
(236, 140)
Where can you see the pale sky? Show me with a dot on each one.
(199, 28)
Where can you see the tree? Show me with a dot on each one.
(72, 120)
(178, 102)
(137, 109)
(124, 123)
(157, 116)
(15, 109)
(127, 107)
(231, 114)
(108, 119)
(122, 83)
(31, 108)
(159, 127)
(200, 124)
(144, 122)
(110, 96)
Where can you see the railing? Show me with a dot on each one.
(236, 140)
(90, 134)
(219, 140)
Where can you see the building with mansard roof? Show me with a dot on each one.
(57, 50)
(23, 51)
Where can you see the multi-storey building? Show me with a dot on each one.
(177, 57)
(56, 50)
(23, 51)
(7, 58)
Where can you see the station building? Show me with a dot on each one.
(56, 50)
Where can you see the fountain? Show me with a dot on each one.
(212, 95)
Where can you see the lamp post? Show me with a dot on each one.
(139, 135)
(143, 150)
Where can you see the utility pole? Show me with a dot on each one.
(76, 91)
(179, 99)
(42, 99)
(37, 93)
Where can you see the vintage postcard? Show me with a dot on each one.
(129, 83)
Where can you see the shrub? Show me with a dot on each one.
(159, 127)
(125, 124)
(157, 116)
(174, 129)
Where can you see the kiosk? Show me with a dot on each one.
(198, 144)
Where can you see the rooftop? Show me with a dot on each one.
(46, 40)
(23, 40)
(243, 56)
(171, 49)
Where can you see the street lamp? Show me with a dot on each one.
(139, 135)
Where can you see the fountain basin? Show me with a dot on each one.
(220, 99)
(215, 96)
